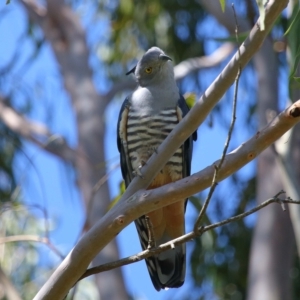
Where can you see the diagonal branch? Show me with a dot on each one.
(218, 167)
(35, 10)
(191, 65)
(36, 133)
(182, 239)
(9, 290)
(31, 238)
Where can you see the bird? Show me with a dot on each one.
(146, 118)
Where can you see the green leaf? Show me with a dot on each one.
(126, 7)
(190, 99)
(293, 38)
(294, 83)
(118, 197)
(223, 2)
(262, 14)
(232, 38)
(295, 57)
(295, 19)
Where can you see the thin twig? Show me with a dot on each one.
(94, 191)
(183, 239)
(11, 205)
(214, 184)
(31, 238)
(206, 202)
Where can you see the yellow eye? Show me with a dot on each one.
(148, 70)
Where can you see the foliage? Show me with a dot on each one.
(137, 27)
(222, 256)
(9, 142)
(292, 34)
(19, 260)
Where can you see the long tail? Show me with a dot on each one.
(167, 270)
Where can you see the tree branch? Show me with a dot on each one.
(226, 17)
(36, 133)
(218, 167)
(31, 238)
(36, 11)
(182, 239)
(23, 237)
(191, 65)
(9, 290)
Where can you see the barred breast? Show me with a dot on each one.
(145, 133)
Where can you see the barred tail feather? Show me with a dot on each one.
(166, 270)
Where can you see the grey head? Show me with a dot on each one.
(153, 68)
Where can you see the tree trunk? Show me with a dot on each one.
(64, 32)
(272, 247)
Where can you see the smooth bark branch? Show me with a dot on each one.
(219, 166)
(24, 237)
(31, 238)
(183, 239)
(220, 163)
(226, 17)
(36, 133)
(191, 65)
(8, 288)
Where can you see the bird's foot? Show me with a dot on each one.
(137, 172)
(151, 150)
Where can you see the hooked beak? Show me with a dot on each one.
(164, 57)
(131, 71)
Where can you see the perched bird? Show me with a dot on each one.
(147, 116)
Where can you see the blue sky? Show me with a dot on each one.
(51, 183)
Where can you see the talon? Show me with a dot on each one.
(151, 245)
(138, 172)
(152, 149)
